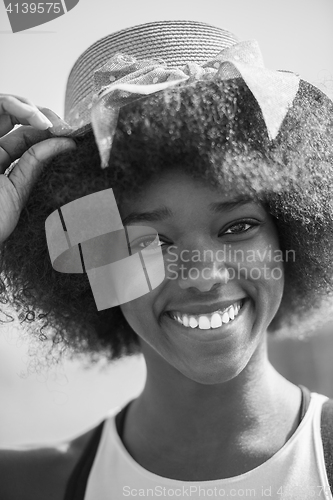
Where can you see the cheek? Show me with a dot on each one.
(133, 316)
(267, 269)
(259, 267)
(139, 314)
(273, 281)
(268, 277)
(260, 262)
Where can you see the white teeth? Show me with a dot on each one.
(225, 318)
(206, 322)
(216, 320)
(193, 322)
(186, 321)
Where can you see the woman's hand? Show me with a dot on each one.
(33, 143)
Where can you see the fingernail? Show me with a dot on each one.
(61, 129)
(45, 121)
(71, 145)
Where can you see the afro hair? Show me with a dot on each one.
(213, 131)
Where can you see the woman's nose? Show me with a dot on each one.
(203, 275)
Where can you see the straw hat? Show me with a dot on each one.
(176, 42)
(145, 59)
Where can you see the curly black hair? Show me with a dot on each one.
(213, 131)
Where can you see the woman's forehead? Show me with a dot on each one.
(172, 193)
(175, 180)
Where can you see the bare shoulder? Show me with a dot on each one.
(37, 473)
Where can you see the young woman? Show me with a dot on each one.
(242, 207)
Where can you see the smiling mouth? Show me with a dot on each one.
(208, 321)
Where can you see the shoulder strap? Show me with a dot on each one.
(77, 483)
(306, 397)
(327, 438)
(326, 430)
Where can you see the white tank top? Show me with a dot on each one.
(296, 472)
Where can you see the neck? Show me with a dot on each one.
(174, 413)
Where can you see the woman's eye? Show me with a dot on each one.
(239, 228)
(144, 243)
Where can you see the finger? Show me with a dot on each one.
(13, 145)
(13, 111)
(19, 97)
(27, 170)
(60, 127)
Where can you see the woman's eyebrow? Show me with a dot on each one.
(223, 206)
(160, 214)
(154, 216)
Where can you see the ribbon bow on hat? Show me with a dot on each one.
(124, 79)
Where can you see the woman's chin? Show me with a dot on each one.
(217, 371)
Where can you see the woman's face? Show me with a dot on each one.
(223, 278)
